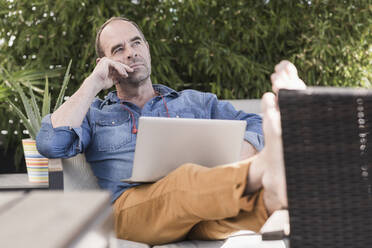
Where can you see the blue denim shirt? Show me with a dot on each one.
(106, 136)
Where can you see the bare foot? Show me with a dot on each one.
(271, 157)
(285, 77)
(273, 179)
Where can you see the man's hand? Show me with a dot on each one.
(107, 72)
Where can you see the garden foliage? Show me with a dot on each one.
(227, 47)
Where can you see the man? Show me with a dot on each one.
(193, 201)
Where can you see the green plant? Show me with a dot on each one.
(31, 117)
(3, 92)
(12, 130)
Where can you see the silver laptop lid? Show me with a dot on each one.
(163, 144)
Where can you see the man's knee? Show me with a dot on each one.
(186, 176)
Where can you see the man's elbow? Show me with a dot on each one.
(51, 146)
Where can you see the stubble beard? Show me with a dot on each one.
(136, 78)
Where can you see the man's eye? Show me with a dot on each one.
(119, 49)
(136, 43)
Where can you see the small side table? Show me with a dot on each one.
(19, 181)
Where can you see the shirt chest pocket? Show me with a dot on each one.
(112, 133)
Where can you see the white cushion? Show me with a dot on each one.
(77, 174)
(247, 105)
(121, 243)
(193, 244)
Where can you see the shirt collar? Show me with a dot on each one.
(112, 96)
(165, 91)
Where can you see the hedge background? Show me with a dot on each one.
(225, 47)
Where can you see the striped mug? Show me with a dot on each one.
(37, 164)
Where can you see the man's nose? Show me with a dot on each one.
(131, 53)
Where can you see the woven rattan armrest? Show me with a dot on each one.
(327, 153)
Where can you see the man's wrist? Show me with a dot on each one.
(93, 85)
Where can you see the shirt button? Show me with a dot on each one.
(152, 102)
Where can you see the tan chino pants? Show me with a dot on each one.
(192, 202)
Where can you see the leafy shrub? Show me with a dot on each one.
(227, 47)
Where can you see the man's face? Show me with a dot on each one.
(121, 41)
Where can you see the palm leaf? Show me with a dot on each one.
(46, 99)
(64, 86)
(3, 93)
(26, 104)
(24, 119)
(32, 75)
(34, 106)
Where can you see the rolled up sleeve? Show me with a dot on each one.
(225, 110)
(256, 139)
(62, 142)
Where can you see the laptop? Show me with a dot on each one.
(164, 144)
(328, 162)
